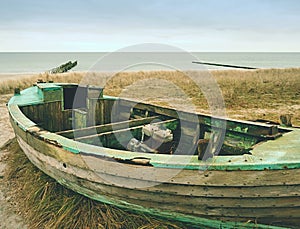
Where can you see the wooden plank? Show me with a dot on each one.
(91, 109)
(204, 211)
(48, 122)
(40, 110)
(49, 114)
(191, 177)
(55, 115)
(100, 113)
(58, 115)
(193, 201)
(66, 119)
(24, 110)
(79, 118)
(119, 130)
(106, 127)
(275, 191)
(107, 133)
(31, 112)
(135, 195)
(34, 113)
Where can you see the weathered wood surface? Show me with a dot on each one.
(265, 196)
(286, 120)
(50, 115)
(106, 127)
(121, 127)
(63, 68)
(261, 208)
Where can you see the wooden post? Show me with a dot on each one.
(285, 120)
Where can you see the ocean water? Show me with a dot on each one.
(100, 61)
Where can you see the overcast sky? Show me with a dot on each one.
(193, 25)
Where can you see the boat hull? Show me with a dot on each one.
(199, 198)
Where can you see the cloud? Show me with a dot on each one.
(214, 24)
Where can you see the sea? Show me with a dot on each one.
(38, 62)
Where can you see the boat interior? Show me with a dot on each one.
(83, 114)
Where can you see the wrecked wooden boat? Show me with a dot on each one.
(161, 161)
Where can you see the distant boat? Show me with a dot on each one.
(158, 160)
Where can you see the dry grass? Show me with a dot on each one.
(46, 204)
(261, 94)
(8, 86)
(248, 95)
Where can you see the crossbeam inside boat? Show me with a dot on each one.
(114, 128)
(91, 130)
(131, 138)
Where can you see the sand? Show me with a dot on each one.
(9, 217)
